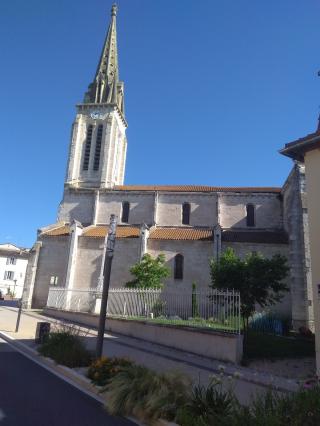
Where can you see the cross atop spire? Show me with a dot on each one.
(106, 87)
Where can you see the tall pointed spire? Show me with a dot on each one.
(106, 87)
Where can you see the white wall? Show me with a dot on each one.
(19, 270)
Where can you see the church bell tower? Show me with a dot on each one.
(98, 142)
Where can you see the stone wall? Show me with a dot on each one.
(112, 153)
(211, 344)
(203, 209)
(89, 261)
(127, 253)
(268, 210)
(165, 208)
(141, 206)
(296, 224)
(78, 205)
(196, 261)
(88, 265)
(53, 261)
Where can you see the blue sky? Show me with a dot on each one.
(213, 90)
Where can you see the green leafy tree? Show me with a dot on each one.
(259, 280)
(149, 272)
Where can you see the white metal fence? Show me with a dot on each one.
(213, 309)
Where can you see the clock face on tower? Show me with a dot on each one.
(97, 115)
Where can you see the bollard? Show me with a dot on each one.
(43, 329)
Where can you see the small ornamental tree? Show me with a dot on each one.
(149, 272)
(258, 280)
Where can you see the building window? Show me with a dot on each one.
(250, 215)
(87, 148)
(11, 261)
(186, 213)
(8, 275)
(54, 280)
(125, 212)
(178, 267)
(98, 148)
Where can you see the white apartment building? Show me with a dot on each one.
(13, 265)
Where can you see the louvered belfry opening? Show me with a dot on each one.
(87, 149)
(96, 162)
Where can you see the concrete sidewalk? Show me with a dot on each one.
(153, 356)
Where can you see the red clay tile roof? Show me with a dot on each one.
(262, 237)
(95, 231)
(199, 234)
(176, 233)
(122, 232)
(194, 188)
(58, 231)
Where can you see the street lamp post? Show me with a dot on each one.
(109, 244)
(20, 303)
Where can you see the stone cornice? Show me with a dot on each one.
(86, 106)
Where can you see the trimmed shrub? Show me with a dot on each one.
(65, 348)
(103, 369)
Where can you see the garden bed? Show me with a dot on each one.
(227, 326)
(268, 346)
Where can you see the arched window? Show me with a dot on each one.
(87, 148)
(178, 267)
(186, 213)
(98, 148)
(125, 212)
(250, 215)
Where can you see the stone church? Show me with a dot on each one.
(189, 224)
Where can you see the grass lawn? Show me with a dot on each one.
(229, 326)
(268, 346)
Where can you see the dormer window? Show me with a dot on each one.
(186, 208)
(250, 215)
(125, 212)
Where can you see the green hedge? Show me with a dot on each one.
(65, 348)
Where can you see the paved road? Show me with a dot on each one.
(32, 396)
